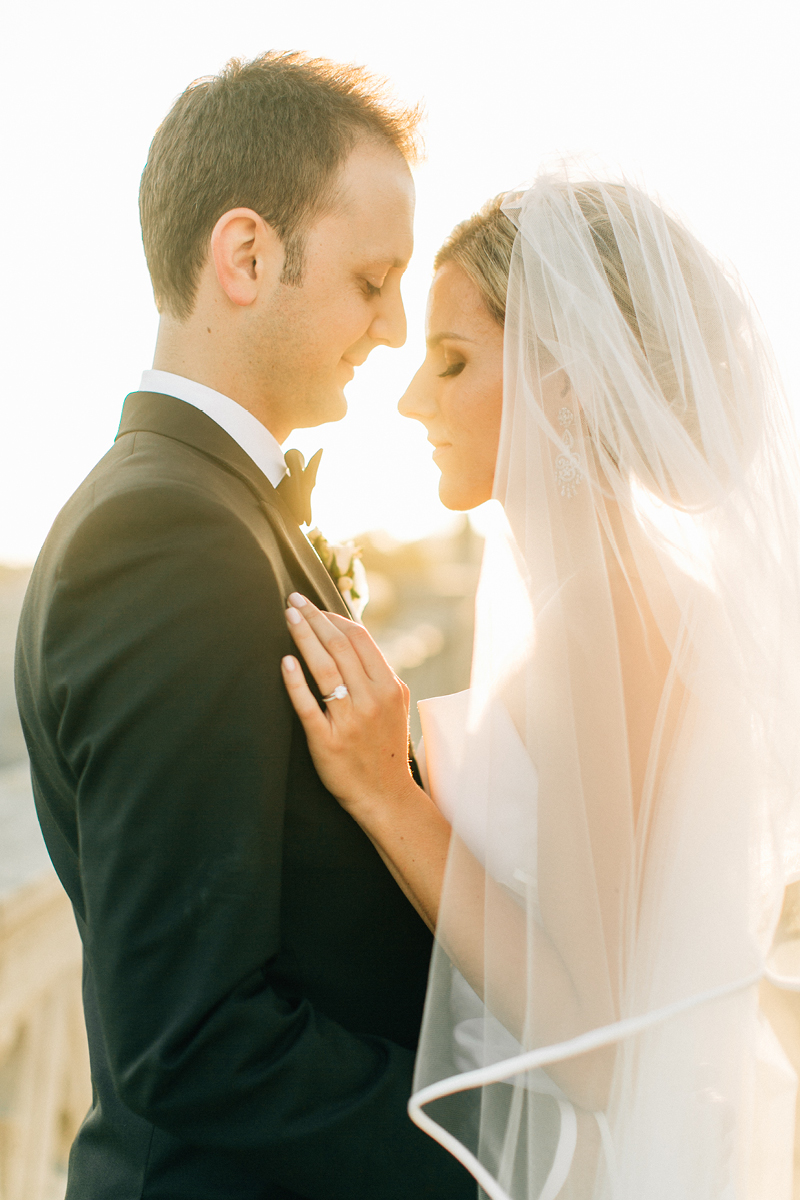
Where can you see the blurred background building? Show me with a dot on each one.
(421, 608)
(44, 1076)
(421, 614)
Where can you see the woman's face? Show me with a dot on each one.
(457, 393)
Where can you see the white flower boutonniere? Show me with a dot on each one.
(342, 560)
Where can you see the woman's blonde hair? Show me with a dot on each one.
(481, 246)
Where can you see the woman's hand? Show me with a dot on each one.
(359, 743)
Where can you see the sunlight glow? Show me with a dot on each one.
(703, 109)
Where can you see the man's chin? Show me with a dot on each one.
(332, 408)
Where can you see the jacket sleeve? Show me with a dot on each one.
(163, 645)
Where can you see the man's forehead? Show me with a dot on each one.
(374, 208)
(382, 243)
(368, 244)
(378, 182)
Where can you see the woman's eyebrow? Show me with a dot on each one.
(436, 338)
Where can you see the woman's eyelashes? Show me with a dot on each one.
(453, 369)
(371, 289)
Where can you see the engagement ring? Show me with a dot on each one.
(338, 693)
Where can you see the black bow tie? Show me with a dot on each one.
(296, 487)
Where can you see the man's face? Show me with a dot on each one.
(311, 337)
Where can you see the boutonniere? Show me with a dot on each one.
(342, 561)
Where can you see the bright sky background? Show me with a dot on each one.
(699, 98)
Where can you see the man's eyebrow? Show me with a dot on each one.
(438, 338)
(399, 264)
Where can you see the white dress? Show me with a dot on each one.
(459, 790)
(459, 786)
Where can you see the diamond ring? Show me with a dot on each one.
(338, 693)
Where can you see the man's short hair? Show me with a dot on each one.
(271, 135)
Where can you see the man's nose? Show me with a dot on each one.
(389, 326)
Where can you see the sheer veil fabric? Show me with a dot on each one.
(624, 768)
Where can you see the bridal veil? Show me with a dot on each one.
(625, 764)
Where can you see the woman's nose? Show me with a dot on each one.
(417, 401)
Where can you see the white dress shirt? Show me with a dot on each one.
(245, 429)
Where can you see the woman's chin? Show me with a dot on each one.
(461, 495)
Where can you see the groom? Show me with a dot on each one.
(253, 979)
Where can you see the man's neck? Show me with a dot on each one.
(193, 351)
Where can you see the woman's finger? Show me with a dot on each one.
(304, 619)
(320, 663)
(314, 720)
(372, 660)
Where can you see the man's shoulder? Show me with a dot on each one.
(147, 476)
(147, 461)
(149, 498)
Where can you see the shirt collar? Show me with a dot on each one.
(245, 429)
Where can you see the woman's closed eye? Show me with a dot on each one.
(454, 369)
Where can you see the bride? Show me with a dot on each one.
(610, 825)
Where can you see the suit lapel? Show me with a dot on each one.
(294, 543)
(173, 418)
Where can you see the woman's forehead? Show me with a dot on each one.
(455, 309)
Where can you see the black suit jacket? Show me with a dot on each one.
(254, 978)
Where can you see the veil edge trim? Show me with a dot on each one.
(531, 1059)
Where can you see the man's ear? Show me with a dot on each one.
(247, 255)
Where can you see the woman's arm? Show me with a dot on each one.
(358, 744)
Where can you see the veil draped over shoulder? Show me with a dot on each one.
(624, 768)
